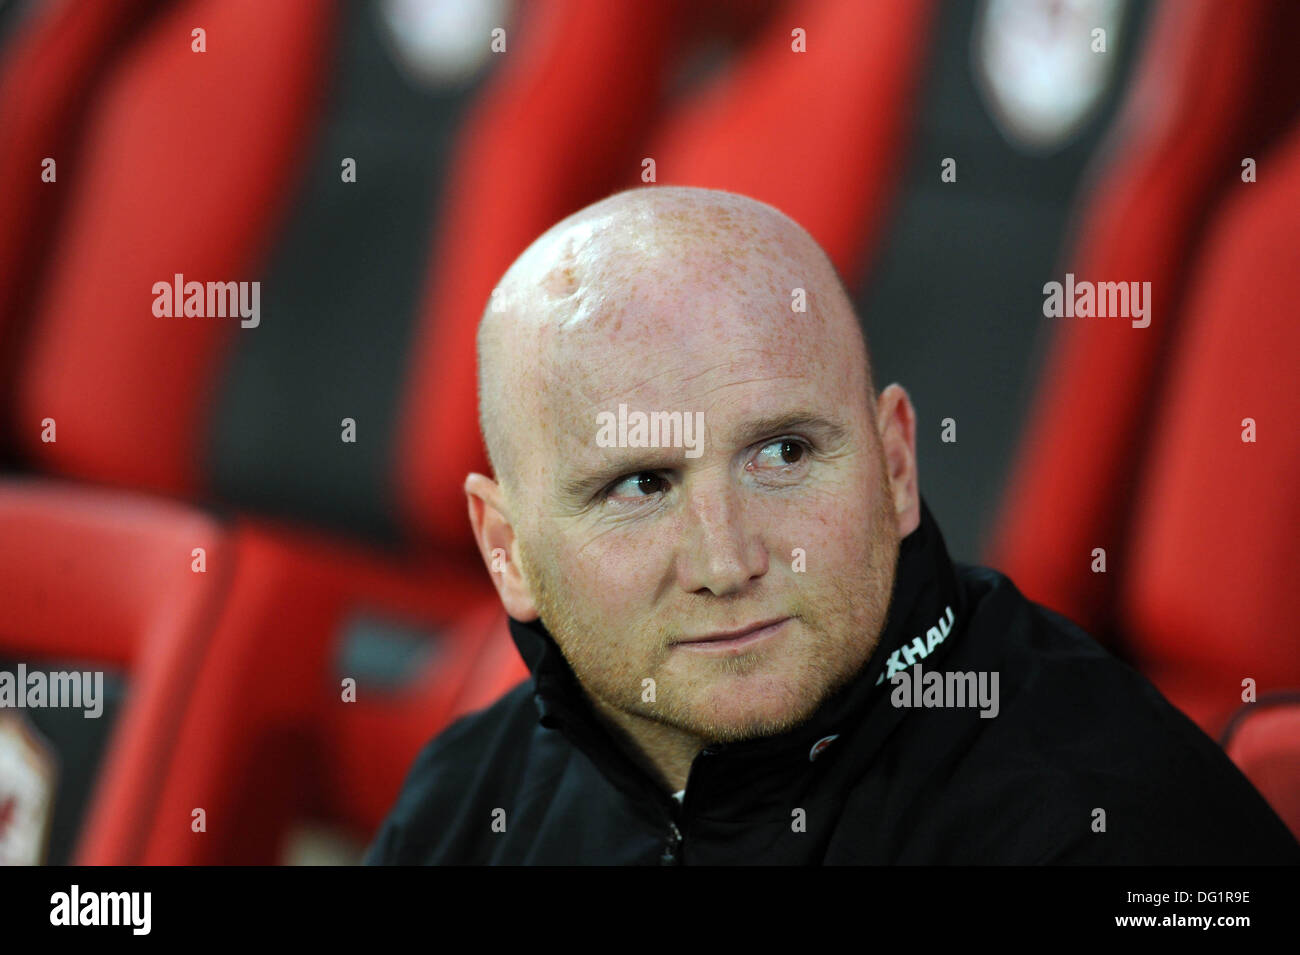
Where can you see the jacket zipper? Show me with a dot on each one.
(672, 846)
(673, 842)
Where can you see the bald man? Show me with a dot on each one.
(747, 640)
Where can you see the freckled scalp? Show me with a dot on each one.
(660, 249)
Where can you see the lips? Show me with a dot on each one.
(722, 637)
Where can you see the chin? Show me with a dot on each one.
(735, 708)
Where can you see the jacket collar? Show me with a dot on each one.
(927, 608)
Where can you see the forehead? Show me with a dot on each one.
(702, 341)
(636, 300)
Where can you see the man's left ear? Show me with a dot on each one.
(896, 425)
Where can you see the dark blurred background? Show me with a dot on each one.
(230, 522)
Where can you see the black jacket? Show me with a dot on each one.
(1079, 740)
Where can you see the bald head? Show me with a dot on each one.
(634, 274)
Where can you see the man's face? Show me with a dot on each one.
(633, 554)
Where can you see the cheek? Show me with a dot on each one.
(833, 526)
(614, 576)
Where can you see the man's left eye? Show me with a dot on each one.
(788, 451)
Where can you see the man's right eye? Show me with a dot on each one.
(641, 484)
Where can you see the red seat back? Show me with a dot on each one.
(1209, 581)
(1213, 87)
(184, 168)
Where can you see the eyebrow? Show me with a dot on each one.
(627, 461)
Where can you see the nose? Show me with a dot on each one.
(719, 552)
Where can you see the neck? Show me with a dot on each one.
(665, 752)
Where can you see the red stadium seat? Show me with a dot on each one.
(105, 580)
(69, 548)
(1215, 555)
(177, 174)
(48, 75)
(264, 735)
(1215, 86)
(235, 703)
